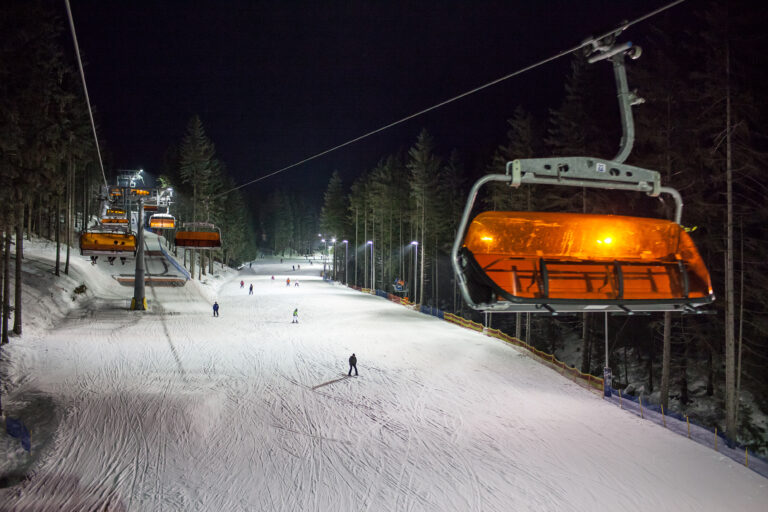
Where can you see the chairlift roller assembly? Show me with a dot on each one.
(544, 262)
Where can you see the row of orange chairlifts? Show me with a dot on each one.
(544, 262)
(113, 238)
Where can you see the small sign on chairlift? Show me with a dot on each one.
(600, 167)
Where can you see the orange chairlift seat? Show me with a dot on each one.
(162, 221)
(566, 262)
(199, 235)
(119, 221)
(574, 262)
(107, 244)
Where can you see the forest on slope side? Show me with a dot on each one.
(701, 127)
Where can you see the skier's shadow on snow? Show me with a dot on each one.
(330, 382)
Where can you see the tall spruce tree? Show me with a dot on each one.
(424, 166)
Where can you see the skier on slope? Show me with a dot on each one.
(242, 283)
(352, 364)
(295, 316)
(250, 290)
(288, 281)
(215, 308)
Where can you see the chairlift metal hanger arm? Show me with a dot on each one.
(590, 173)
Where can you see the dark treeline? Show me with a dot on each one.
(700, 127)
(50, 174)
(48, 163)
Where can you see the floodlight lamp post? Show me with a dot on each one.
(346, 260)
(373, 267)
(326, 248)
(333, 261)
(415, 245)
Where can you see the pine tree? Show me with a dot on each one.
(424, 166)
(333, 213)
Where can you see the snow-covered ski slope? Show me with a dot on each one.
(174, 409)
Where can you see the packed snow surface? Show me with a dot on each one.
(173, 409)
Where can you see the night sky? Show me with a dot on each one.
(276, 82)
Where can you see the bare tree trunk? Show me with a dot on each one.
(730, 356)
(58, 235)
(666, 359)
(423, 252)
(2, 272)
(651, 354)
(710, 371)
(684, 399)
(17, 299)
(40, 215)
(586, 344)
(6, 286)
(366, 274)
(29, 220)
(70, 193)
(741, 322)
(436, 297)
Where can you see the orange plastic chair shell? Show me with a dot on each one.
(103, 243)
(157, 222)
(570, 256)
(198, 239)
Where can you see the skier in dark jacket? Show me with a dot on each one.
(352, 364)
(250, 290)
(215, 308)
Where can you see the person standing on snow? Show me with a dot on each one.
(215, 308)
(242, 283)
(288, 281)
(352, 364)
(295, 316)
(250, 290)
